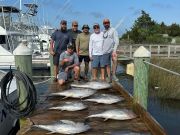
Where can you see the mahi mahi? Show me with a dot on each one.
(65, 127)
(75, 93)
(70, 106)
(105, 99)
(93, 85)
(116, 114)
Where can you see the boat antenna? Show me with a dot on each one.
(20, 4)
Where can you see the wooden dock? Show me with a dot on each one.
(144, 123)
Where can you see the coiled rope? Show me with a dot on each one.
(15, 107)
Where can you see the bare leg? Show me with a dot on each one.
(94, 73)
(108, 69)
(86, 69)
(102, 73)
(114, 66)
(76, 72)
(56, 69)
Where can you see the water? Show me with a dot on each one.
(166, 112)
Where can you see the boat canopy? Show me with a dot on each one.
(9, 9)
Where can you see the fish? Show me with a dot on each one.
(116, 114)
(70, 106)
(65, 127)
(93, 85)
(129, 133)
(105, 99)
(75, 93)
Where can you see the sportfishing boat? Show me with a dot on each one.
(16, 26)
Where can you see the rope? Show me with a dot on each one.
(14, 107)
(42, 81)
(172, 72)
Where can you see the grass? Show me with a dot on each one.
(162, 83)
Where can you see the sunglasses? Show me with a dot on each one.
(75, 25)
(106, 22)
(96, 27)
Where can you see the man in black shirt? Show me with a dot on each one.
(59, 40)
(73, 32)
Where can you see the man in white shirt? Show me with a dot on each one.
(110, 44)
(96, 52)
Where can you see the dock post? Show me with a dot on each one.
(141, 74)
(23, 62)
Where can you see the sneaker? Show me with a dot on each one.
(108, 79)
(114, 77)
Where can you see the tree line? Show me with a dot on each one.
(146, 30)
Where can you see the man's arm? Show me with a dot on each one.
(51, 49)
(116, 40)
(77, 44)
(90, 47)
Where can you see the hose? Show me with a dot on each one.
(14, 106)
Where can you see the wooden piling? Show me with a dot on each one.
(23, 62)
(141, 76)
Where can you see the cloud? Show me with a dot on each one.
(97, 14)
(131, 8)
(162, 6)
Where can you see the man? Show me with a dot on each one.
(96, 53)
(59, 40)
(111, 42)
(73, 32)
(68, 62)
(82, 48)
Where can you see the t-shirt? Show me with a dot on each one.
(82, 42)
(73, 35)
(72, 57)
(61, 39)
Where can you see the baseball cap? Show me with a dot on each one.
(70, 46)
(63, 22)
(85, 26)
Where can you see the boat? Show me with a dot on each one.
(16, 26)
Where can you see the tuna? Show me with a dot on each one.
(70, 106)
(65, 127)
(116, 114)
(93, 85)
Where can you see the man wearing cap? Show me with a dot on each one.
(73, 32)
(110, 44)
(59, 40)
(82, 48)
(69, 62)
(96, 53)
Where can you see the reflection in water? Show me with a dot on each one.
(165, 111)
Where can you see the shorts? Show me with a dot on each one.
(86, 58)
(64, 75)
(56, 57)
(107, 59)
(97, 61)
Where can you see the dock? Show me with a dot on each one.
(143, 123)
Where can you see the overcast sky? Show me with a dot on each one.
(122, 13)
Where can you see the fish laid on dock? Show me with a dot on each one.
(65, 127)
(93, 85)
(105, 99)
(116, 114)
(70, 106)
(75, 93)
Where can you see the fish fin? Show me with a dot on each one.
(106, 119)
(50, 133)
(64, 97)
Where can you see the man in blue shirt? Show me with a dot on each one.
(59, 40)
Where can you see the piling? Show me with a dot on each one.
(23, 62)
(141, 73)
